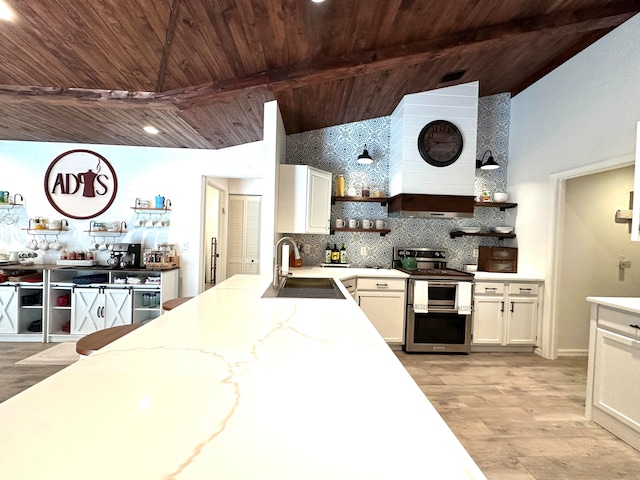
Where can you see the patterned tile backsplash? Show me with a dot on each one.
(336, 149)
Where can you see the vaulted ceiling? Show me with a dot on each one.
(200, 70)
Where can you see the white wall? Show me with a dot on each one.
(245, 186)
(582, 113)
(580, 116)
(143, 172)
(275, 142)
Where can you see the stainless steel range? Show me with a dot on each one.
(438, 302)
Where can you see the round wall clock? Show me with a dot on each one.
(440, 143)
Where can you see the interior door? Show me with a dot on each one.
(243, 249)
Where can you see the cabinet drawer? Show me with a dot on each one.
(488, 288)
(350, 284)
(618, 321)
(524, 289)
(381, 284)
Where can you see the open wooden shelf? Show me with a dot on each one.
(382, 232)
(381, 200)
(501, 205)
(501, 236)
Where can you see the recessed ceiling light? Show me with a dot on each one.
(317, 1)
(151, 130)
(5, 12)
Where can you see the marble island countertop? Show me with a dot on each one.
(234, 386)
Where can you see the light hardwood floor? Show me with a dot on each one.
(15, 378)
(522, 417)
(518, 415)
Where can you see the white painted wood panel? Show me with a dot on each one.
(408, 172)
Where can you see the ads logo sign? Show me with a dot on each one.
(81, 184)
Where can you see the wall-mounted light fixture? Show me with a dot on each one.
(490, 164)
(365, 158)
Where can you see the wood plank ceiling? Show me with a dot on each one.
(201, 70)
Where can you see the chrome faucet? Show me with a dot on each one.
(277, 273)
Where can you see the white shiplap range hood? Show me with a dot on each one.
(416, 188)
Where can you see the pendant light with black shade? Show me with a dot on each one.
(489, 164)
(365, 158)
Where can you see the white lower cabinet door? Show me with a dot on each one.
(9, 309)
(88, 310)
(488, 320)
(98, 308)
(385, 310)
(616, 382)
(118, 307)
(521, 325)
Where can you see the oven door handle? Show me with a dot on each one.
(436, 310)
(443, 284)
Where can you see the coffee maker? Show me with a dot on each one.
(126, 255)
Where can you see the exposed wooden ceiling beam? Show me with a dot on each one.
(75, 97)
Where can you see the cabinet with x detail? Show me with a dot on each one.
(99, 307)
(9, 309)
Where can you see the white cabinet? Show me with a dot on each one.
(613, 376)
(21, 311)
(304, 200)
(506, 313)
(9, 309)
(76, 310)
(616, 380)
(383, 301)
(97, 308)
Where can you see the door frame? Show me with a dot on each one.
(557, 186)
(222, 229)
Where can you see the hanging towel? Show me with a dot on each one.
(463, 298)
(421, 296)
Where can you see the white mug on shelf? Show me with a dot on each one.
(381, 224)
(366, 223)
(54, 225)
(353, 223)
(339, 223)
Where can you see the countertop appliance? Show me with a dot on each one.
(126, 255)
(438, 310)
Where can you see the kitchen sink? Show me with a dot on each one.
(305, 287)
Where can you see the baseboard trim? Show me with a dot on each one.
(503, 349)
(573, 352)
